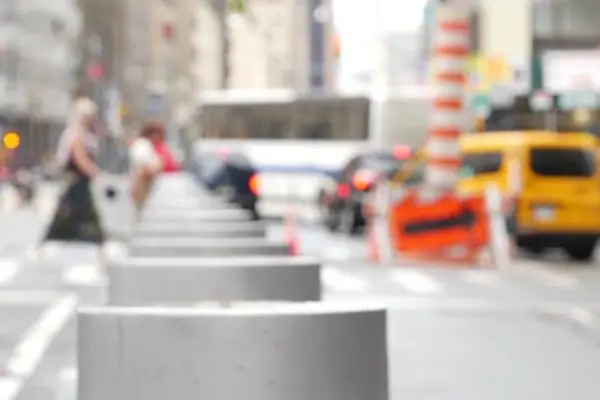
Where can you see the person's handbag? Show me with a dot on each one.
(111, 193)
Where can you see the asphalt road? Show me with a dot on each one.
(527, 331)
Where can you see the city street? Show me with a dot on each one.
(531, 330)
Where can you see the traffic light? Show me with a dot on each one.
(11, 140)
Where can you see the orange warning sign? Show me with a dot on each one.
(447, 222)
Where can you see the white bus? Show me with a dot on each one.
(332, 126)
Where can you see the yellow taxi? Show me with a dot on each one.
(553, 179)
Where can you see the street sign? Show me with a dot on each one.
(157, 105)
(578, 99)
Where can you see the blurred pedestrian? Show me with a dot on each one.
(145, 163)
(76, 218)
(170, 163)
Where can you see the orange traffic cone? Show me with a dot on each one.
(372, 249)
(291, 231)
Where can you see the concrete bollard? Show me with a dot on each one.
(165, 247)
(199, 205)
(201, 215)
(258, 351)
(186, 203)
(185, 281)
(243, 229)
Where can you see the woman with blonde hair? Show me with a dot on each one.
(76, 218)
(145, 163)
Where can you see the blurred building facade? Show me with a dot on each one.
(209, 42)
(137, 58)
(159, 56)
(37, 65)
(37, 57)
(101, 46)
(521, 32)
(273, 44)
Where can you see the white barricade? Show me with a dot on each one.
(498, 251)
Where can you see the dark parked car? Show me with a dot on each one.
(231, 175)
(341, 202)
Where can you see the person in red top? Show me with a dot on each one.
(170, 163)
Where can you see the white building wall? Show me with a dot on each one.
(506, 29)
(37, 38)
(207, 68)
(262, 45)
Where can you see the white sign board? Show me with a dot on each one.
(571, 70)
(541, 101)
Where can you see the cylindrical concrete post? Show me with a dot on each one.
(164, 247)
(202, 215)
(152, 281)
(244, 229)
(185, 202)
(176, 183)
(295, 351)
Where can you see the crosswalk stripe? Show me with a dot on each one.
(544, 275)
(482, 278)
(25, 297)
(335, 279)
(82, 275)
(8, 270)
(417, 282)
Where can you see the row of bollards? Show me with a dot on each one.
(206, 307)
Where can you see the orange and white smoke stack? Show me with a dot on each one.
(449, 81)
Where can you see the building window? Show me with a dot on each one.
(474, 31)
(566, 19)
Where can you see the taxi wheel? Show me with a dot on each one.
(530, 247)
(535, 250)
(582, 251)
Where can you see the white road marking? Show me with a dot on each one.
(51, 250)
(115, 251)
(9, 199)
(478, 305)
(335, 279)
(31, 253)
(417, 282)
(8, 270)
(43, 252)
(482, 278)
(34, 344)
(583, 317)
(28, 297)
(68, 374)
(82, 275)
(10, 388)
(544, 274)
